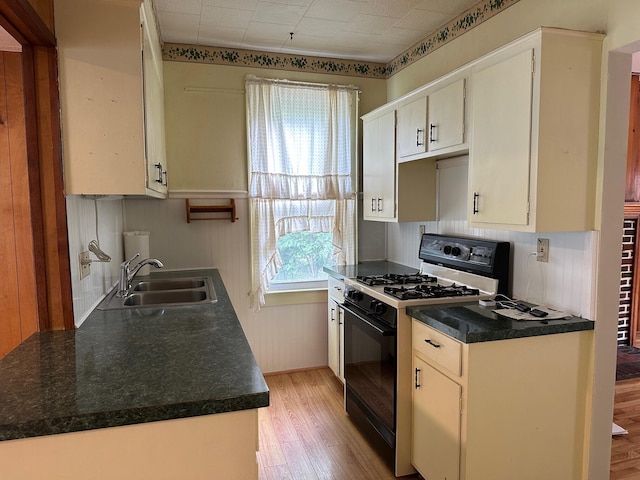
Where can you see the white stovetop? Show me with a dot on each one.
(446, 276)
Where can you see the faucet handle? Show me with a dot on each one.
(126, 263)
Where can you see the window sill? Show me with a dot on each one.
(295, 297)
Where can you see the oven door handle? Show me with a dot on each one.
(379, 329)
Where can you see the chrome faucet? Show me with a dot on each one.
(127, 274)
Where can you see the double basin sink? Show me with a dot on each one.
(163, 292)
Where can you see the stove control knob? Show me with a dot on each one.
(377, 307)
(455, 251)
(354, 295)
(447, 249)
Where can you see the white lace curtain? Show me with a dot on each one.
(301, 144)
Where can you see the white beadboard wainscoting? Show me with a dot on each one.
(81, 226)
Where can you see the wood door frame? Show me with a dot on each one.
(50, 266)
(632, 212)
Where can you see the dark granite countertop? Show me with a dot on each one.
(378, 267)
(472, 323)
(124, 367)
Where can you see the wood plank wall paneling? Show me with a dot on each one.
(22, 186)
(10, 334)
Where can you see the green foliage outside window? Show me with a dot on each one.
(303, 255)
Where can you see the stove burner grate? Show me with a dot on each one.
(430, 291)
(396, 279)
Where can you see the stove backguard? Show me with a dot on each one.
(474, 255)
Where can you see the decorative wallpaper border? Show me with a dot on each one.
(251, 58)
(473, 17)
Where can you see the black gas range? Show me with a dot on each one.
(376, 327)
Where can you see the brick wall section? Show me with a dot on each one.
(626, 280)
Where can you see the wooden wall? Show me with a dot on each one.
(35, 286)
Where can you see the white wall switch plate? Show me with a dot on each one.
(543, 250)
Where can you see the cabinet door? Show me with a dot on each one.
(501, 142)
(435, 446)
(446, 116)
(154, 128)
(412, 122)
(378, 167)
(333, 337)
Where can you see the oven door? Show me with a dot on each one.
(370, 372)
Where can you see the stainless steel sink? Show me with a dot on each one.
(166, 297)
(169, 284)
(163, 292)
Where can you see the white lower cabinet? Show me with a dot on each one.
(499, 410)
(223, 445)
(335, 328)
(436, 410)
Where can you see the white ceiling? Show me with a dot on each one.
(365, 30)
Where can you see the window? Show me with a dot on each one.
(301, 148)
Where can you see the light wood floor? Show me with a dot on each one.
(306, 435)
(625, 450)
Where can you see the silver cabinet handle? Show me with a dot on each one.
(476, 196)
(379, 204)
(432, 128)
(373, 204)
(165, 178)
(159, 172)
(418, 132)
(417, 380)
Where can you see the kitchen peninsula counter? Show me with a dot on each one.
(471, 323)
(131, 366)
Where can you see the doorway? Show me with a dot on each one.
(35, 289)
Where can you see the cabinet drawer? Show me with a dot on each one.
(436, 346)
(336, 289)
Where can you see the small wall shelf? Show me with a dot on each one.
(196, 210)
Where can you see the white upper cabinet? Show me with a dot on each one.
(392, 191)
(111, 98)
(533, 147)
(412, 127)
(447, 117)
(378, 167)
(431, 120)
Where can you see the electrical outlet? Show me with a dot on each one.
(84, 260)
(543, 250)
